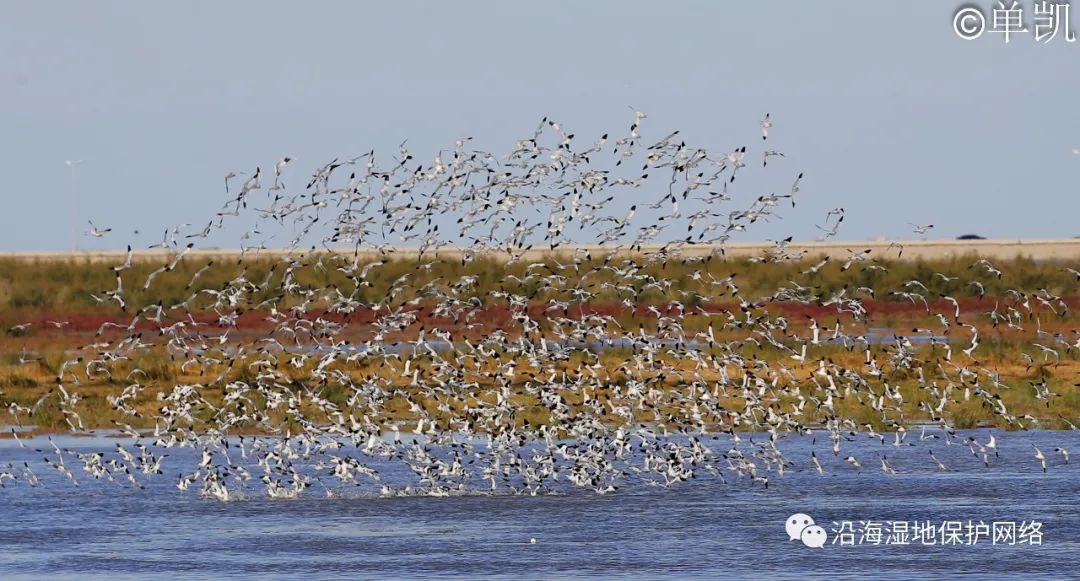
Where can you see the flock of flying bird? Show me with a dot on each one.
(422, 408)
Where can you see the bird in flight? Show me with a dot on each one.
(97, 232)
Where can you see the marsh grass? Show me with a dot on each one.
(68, 286)
(51, 289)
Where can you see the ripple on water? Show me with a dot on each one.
(701, 529)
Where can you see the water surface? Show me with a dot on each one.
(703, 529)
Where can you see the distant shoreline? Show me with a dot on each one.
(1037, 249)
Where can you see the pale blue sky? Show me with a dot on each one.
(889, 113)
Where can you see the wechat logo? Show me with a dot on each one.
(801, 527)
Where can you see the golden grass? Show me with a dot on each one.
(25, 384)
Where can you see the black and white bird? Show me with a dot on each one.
(97, 232)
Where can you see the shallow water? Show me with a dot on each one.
(704, 528)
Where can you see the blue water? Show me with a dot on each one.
(701, 529)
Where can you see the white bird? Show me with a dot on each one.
(230, 176)
(941, 465)
(251, 184)
(280, 165)
(97, 232)
(1064, 453)
(886, 468)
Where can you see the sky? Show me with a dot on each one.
(888, 112)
